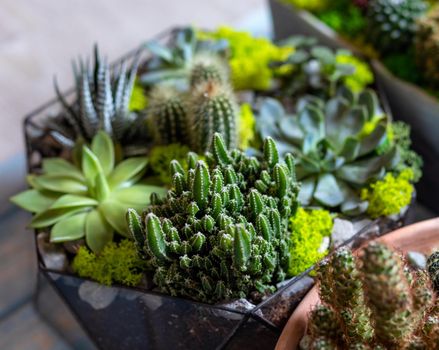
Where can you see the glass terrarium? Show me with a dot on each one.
(90, 315)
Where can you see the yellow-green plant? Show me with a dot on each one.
(115, 263)
(246, 132)
(88, 200)
(307, 230)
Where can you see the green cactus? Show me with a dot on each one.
(427, 47)
(207, 67)
(221, 231)
(337, 144)
(168, 111)
(101, 102)
(88, 200)
(213, 109)
(373, 301)
(392, 23)
(433, 269)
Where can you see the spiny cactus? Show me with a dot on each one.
(207, 67)
(101, 102)
(168, 115)
(221, 231)
(433, 269)
(338, 145)
(372, 301)
(427, 47)
(213, 109)
(392, 23)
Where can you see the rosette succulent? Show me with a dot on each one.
(373, 301)
(101, 102)
(392, 23)
(87, 200)
(341, 146)
(221, 231)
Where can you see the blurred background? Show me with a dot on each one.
(38, 39)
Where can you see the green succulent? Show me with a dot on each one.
(427, 47)
(172, 62)
(221, 232)
(392, 23)
(321, 71)
(341, 146)
(87, 201)
(101, 102)
(373, 301)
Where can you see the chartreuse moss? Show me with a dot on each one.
(362, 75)
(246, 129)
(116, 263)
(249, 58)
(138, 100)
(310, 5)
(307, 227)
(390, 195)
(161, 156)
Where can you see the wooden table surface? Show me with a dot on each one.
(37, 40)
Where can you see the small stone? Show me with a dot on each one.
(326, 241)
(54, 257)
(239, 305)
(96, 295)
(341, 231)
(417, 260)
(360, 224)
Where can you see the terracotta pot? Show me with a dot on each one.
(421, 237)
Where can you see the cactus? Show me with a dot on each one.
(221, 231)
(392, 23)
(433, 269)
(373, 301)
(101, 103)
(168, 115)
(213, 109)
(207, 67)
(427, 47)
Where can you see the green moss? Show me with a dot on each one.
(308, 227)
(362, 75)
(116, 263)
(390, 195)
(138, 101)
(347, 20)
(403, 65)
(249, 57)
(246, 126)
(161, 156)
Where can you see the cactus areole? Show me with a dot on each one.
(221, 232)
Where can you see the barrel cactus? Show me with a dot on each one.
(372, 301)
(427, 47)
(341, 146)
(221, 232)
(433, 269)
(392, 23)
(208, 67)
(101, 103)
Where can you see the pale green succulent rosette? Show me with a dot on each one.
(87, 201)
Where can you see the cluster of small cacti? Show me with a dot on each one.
(372, 301)
(192, 117)
(392, 24)
(427, 47)
(102, 101)
(221, 232)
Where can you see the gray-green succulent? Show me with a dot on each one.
(101, 102)
(89, 200)
(341, 146)
(221, 231)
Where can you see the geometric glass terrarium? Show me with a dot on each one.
(90, 315)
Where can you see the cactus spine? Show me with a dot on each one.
(208, 68)
(218, 235)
